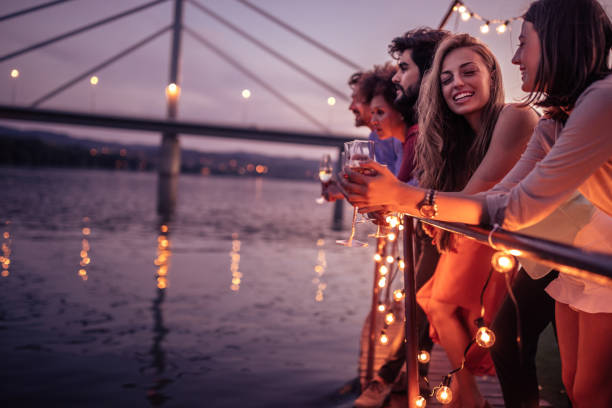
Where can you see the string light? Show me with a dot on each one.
(391, 237)
(503, 262)
(485, 337)
(377, 258)
(390, 259)
(246, 93)
(94, 80)
(383, 270)
(423, 357)
(401, 264)
(331, 101)
(389, 318)
(383, 339)
(173, 91)
(382, 282)
(444, 394)
(466, 14)
(381, 307)
(398, 295)
(420, 402)
(14, 73)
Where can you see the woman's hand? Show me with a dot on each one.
(370, 191)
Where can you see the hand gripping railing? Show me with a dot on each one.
(593, 266)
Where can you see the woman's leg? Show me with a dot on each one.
(592, 382)
(567, 337)
(516, 368)
(454, 338)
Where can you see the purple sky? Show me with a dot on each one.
(211, 88)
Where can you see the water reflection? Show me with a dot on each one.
(5, 258)
(158, 362)
(235, 263)
(320, 270)
(85, 247)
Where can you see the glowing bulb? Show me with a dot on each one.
(465, 16)
(389, 318)
(383, 270)
(331, 101)
(384, 339)
(14, 73)
(381, 307)
(423, 357)
(377, 258)
(501, 28)
(503, 262)
(246, 93)
(515, 252)
(382, 282)
(94, 80)
(444, 395)
(455, 8)
(484, 28)
(398, 295)
(401, 264)
(164, 228)
(391, 236)
(173, 91)
(393, 221)
(390, 259)
(420, 402)
(485, 337)
(401, 227)
(462, 9)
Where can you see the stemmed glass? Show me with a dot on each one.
(356, 153)
(325, 174)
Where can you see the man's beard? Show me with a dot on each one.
(405, 103)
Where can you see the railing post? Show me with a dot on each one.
(339, 204)
(170, 151)
(412, 365)
(381, 244)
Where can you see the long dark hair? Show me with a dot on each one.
(575, 38)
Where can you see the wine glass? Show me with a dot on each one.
(325, 174)
(356, 153)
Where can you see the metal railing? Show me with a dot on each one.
(589, 265)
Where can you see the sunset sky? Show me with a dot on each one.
(360, 30)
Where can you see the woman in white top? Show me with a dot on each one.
(563, 58)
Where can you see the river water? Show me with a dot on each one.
(244, 301)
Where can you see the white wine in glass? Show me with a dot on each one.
(357, 152)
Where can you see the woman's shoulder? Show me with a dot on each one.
(598, 92)
(518, 111)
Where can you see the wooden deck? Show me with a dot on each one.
(438, 368)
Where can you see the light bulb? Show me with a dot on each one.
(444, 395)
(390, 259)
(381, 307)
(465, 16)
(401, 264)
(246, 93)
(501, 28)
(389, 318)
(173, 91)
(377, 257)
(391, 236)
(382, 282)
(503, 262)
(384, 339)
(485, 337)
(15, 73)
(423, 357)
(383, 270)
(462, 9)
(420, 402)
(94, 80)
(331, 101)
(484, 28)
(398, 295)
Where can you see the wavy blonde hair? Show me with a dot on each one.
(448, 151)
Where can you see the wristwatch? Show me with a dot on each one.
(427, 206)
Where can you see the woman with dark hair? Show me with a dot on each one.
(563, 58)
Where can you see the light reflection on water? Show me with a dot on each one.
(171, 333)
(5, 258)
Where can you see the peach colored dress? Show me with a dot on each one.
(458, 280)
